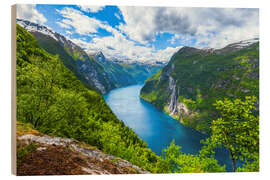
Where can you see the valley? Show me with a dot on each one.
(94, 70)
(157, 117)
(155, 127)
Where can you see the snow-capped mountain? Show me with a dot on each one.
(243, 43)
(34, 27)
(237, 45)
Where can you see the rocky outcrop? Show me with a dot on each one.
(62, 156)
(182, 110)
(95, 74)
(174, 106)
(173, 97)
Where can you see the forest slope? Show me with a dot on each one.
(56, 103)
(194, 79)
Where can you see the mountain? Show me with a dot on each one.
(73, 56)
(188, 86)
(54, 102)
(124, 74)
(94, 70)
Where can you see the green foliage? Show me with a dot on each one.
(174, 161)
(250, 166)
(238, 130)
(52, 99)
(66, 54)
(204, 77)
(192, 105)
(55, 102)
(25, 128)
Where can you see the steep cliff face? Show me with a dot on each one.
(173, 97)
(174, 107)
(92, 71)
(187, 87)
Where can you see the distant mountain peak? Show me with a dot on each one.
(98, 55)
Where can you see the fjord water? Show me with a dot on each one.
(154, 127)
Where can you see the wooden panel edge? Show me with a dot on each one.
(13, 90)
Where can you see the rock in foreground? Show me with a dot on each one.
(63, 156)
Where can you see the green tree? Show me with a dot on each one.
(175, 161)
(237, 129)
(55, 102)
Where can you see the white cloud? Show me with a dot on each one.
(226, 25)
(63, 25)
(211, 27)
(166, 54)
(139, 23)
(92, 9)
(29, 12)
(185, 39)
(83, 25)
(117, 46)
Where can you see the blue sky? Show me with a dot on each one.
(144, 33)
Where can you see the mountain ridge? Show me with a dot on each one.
(72, 55)
(189, 84)
(95, 70)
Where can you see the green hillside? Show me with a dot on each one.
(90, 70)
(194, 79)
(75, 58)
(55, 102)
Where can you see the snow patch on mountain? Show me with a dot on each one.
(33, 27)
(244, 43)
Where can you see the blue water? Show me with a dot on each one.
(154, 127)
